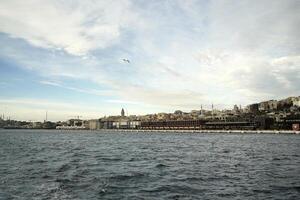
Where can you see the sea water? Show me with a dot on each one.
(52, 164)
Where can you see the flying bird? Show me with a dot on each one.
(126, 60)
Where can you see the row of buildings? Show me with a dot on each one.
(289, 105)
(272, 114)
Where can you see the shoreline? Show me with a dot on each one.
(174, 131)
(206, 131)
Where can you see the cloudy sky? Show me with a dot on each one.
(65, 56)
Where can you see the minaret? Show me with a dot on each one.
(122, 112)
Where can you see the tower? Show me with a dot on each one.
(122, 112)
(201, 111)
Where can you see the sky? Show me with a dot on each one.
(65, 57)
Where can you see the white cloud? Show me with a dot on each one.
(52, 83)
(286, 70)
(81, 90)
(183, 53)
(76, 27)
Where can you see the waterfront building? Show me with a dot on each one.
(253, 108)
(49, 125)
(236, 109)
(296, 102)
(178, 112)
(162, 116)
(121, 124)
(75, 122)
(37, 125)
(285, 104)
(268, 105)
(107, 124)
(94, 124)
(115, 125)
(135, 124)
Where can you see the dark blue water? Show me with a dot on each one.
(99, 165)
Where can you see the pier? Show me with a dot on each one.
(206, 131)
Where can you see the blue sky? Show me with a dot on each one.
(66, 56)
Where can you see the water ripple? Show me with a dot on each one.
(91, 165)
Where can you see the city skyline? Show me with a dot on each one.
(92, 58)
